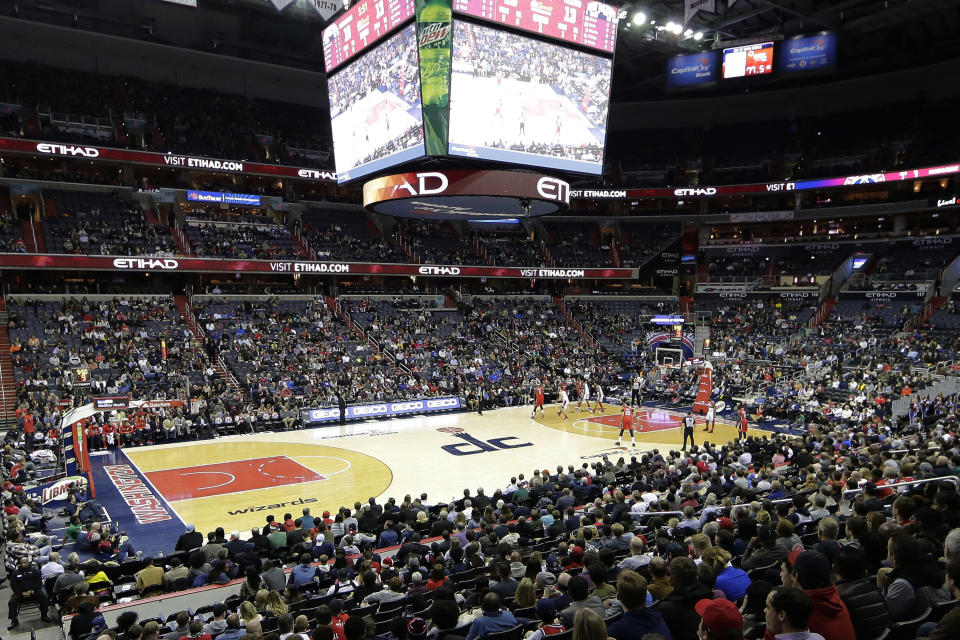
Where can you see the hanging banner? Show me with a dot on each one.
(326, 8)
(693, 7)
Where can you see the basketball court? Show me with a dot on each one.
(235, 482)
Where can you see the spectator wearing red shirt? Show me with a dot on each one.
(438, 577)
(196, 632)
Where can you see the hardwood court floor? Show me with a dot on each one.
(234, 482)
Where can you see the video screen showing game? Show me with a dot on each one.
(521, 100)
(375, 108)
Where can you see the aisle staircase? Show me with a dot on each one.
(219, 366)
(823, 310)
(183, 244)
(560, 304)
(8, 384)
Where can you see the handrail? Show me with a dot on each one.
(3, 390)
(954, 479)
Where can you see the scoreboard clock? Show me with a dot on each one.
(367, 22)
(589, 24)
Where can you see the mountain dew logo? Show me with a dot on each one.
(434, 34)
(434, 38)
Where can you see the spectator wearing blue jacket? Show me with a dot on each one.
(733, 582)
(493, 619)
(304, 572)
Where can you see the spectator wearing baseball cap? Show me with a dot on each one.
(829, 615)
(637, 620)
(719, 620)
(548, 626)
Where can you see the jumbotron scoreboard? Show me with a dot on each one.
(524, 82)
(363, 25)
(590, 24)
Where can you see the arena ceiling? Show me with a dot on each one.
(875, 35)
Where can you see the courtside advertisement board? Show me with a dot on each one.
(383, 409)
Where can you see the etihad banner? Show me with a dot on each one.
(382, 409)
(884, 296)
(681, 193)
(151, 158)
(111, 263)
(733, 296)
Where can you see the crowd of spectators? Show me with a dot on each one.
(511, 249)
(292, 353)
(248, 241)
(90, 223)
(342, 236)
(157, 116)
(577, 244)
(437, 243)
(641, 240)
(769, 534)
(811, 513)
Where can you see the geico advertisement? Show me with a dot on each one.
(384, 409)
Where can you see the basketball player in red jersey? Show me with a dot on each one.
(580, 394)
(537, 401)
(626, 424)
(743, 423)
(94, 437)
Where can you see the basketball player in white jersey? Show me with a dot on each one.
(599, 391)
(711, 418)
(564, 403)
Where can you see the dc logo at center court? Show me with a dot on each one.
(472, 446)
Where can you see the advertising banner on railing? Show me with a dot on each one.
(57, 490)
(112, 263)
(382, 409)
(734, 295)
(884, 296)
(172, 160)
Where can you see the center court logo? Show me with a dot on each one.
(472, 446)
